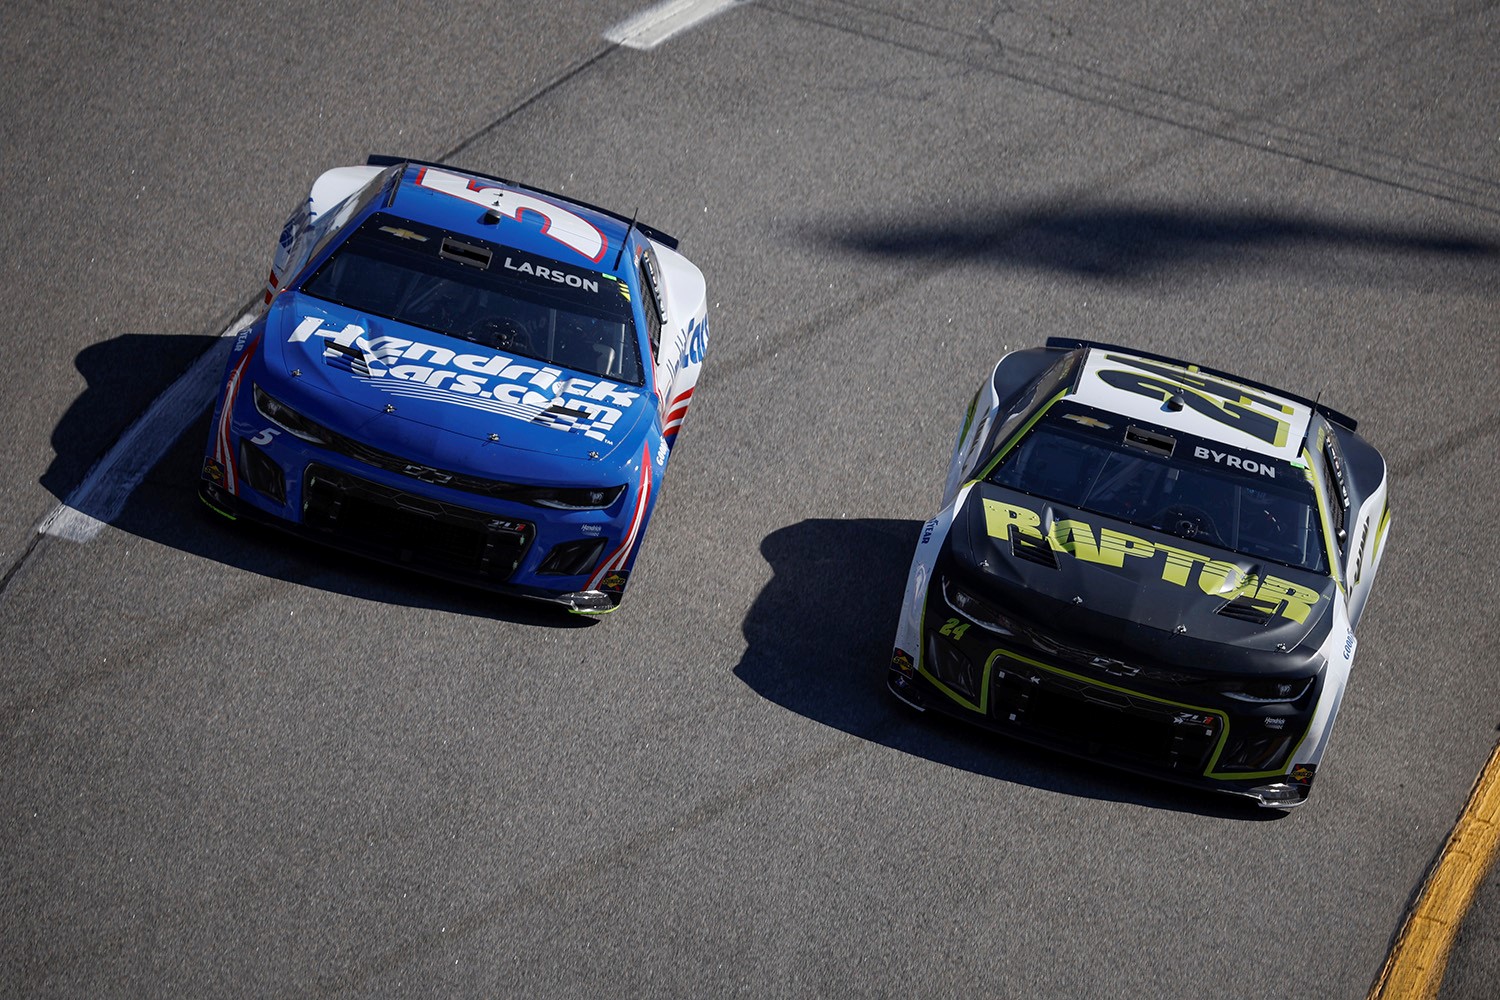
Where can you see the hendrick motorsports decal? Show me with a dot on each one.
(1108, 547)
(492, 382)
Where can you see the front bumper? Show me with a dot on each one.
(1185, 735)
(509, 548)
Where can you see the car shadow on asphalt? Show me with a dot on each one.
(165, 509)
(819, 640)
(1137, 243)
(122, 377)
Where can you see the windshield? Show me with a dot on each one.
(485, 293)
(1264, 516)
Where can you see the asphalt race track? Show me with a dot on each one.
(230, 766)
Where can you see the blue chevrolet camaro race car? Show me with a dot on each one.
(462, 375)
(1147, 563)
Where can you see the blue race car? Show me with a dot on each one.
(462, 375)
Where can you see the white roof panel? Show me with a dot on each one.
(1183, 398)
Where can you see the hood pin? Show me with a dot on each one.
(390, 407)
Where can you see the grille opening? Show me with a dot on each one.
(262, 472)
(400, 527)
(1256, 753)
(572, 558)
(1097, 721)
(952, 667)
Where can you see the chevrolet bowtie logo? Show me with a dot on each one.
(1114, 667)
(427, 474)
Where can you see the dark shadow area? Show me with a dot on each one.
(123, 377)
(819, 640)
(165, 509)
(1133, 243)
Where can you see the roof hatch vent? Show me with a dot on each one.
(466, 253)
(1150, 441)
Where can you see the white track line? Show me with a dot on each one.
(655, 25)
(101, 496)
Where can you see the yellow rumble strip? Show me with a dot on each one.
(1415, 966)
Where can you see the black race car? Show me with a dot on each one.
(1148, 563)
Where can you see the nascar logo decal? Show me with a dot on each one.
(493, 382)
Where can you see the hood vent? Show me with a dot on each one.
(1247, 610)
(345, 358)
(1032, 549)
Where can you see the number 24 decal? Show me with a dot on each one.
(954, 628)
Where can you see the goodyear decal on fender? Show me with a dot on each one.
(1179, 566)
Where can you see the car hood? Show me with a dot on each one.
(1109, 583)
(414, 387)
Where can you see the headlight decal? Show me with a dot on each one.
(288, 419)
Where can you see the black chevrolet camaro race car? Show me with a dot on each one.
(1150, 564)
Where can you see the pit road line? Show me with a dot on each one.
(1414, 969)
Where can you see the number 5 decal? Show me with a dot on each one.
(568, 228)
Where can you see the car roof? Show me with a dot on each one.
(1184, 397)
(500, 211)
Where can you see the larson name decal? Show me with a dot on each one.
(553, 274)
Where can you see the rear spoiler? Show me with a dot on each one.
(381, 160)
(1342, 419)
